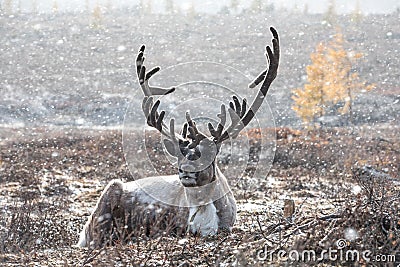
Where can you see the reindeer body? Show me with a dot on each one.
(198, 199)
(119, 201)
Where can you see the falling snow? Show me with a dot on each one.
(68, 78)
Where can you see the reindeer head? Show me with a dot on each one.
(196, 152)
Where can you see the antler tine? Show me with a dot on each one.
(240, 118)
(236, 111)
(192, 128)
(184, 130)
(262, 75)
(144, 78)
(194, 133)
(140, 59)
(217, 132)
(172, 130)
(156, 120)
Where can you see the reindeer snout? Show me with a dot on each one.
(187, 168)
(187, 178)
(187, 174)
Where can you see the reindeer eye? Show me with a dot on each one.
(184, 143)
(184, 151)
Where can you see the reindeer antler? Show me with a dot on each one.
(154, 119)
(237, 112)
(194, 133)
(144, 78)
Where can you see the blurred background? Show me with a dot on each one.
(207, 6)
(68, 81)
(71, 62)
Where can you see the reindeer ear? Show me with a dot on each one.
(171, 147)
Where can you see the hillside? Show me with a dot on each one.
(57, 70)
(71, 121)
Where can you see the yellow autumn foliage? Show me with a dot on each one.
(330, 80)
(97, 17)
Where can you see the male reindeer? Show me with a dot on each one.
(203, 202)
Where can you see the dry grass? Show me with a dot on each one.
(50, 181)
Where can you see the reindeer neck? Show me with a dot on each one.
(203, 195)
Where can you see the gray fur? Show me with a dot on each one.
(141, 205)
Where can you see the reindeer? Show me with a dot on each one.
(202, 202)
